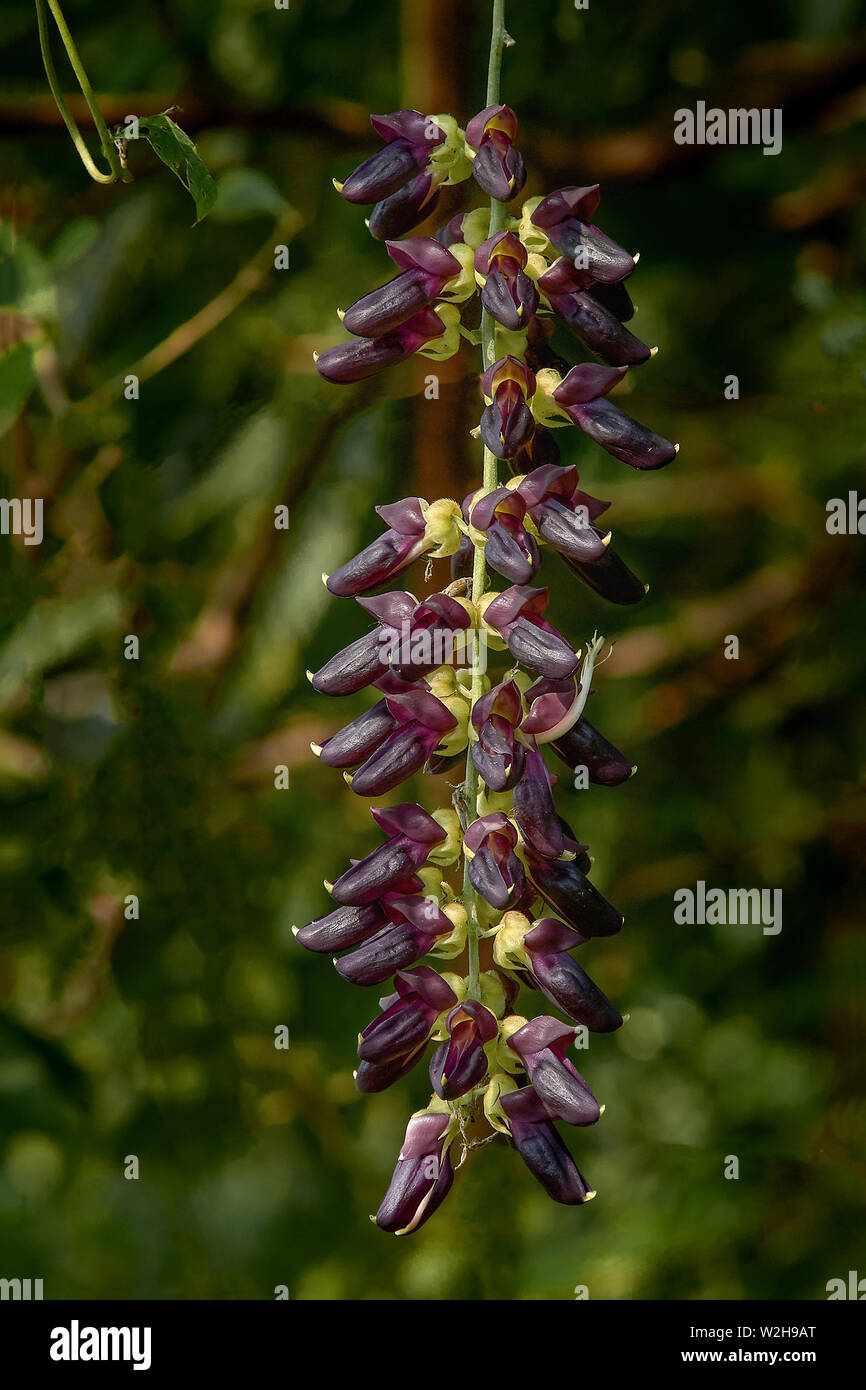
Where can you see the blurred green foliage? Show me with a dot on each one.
(154, 776)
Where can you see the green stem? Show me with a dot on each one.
(490, 480)
(108, 147)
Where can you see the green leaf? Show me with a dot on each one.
(174, 148)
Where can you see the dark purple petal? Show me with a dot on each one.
(372, 1077)
(409, 820)
(422, 1178)
(386, 308)
(378, 563)
(404, 209)
(499, 169)
(352, 744)
(542, 1149)
(382, 174)
(459, 1063)
(586, 382)
(506, 428)
(558, 1084)
(534, 810)
(598, 329)
(350, 670)
(347, 926)
(615, 298)
(567, 532)
(369, 878)
(422, 994)
(571, 990)
(541, 650)
(621, 436)
(565, 886)
(393, 948)
(565, 203)
(610, 577)
(363, 357)
(584, 746)
(403, 753)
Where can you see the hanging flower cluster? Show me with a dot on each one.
(499, 863)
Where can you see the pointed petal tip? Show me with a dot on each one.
(341, 314)
(653, 351)
(310, 676)
(676, 448)
(315, 357)
(347, 778)
(636, 257)
(337, 185)
(633, 770)
(295, 931)
(328, 886)
(316, 748)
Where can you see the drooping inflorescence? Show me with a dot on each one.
(499, 863)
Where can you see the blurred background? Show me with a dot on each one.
(155, 777)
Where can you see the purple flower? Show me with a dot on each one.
(421, 721)
(414, 923)
(610, 577)
(412, 833)
(459, 1063)
(541, 1046)
(596, 327)
(510, 549)
(423, 1175)
(409, 139)
(346, 926)
(404, 209)
(363, 357)
(414, 529)
(564, 216)
(412, 640)
(508, 293)
(497, 755)
(565, 519)
(564, 885)
(494, 869)
(393, 1043)
(534, 810)
(355, 742)
(498, 167)
(563, 514)
(581, 395)
(516, 614)
(583, 746)
(541, 1148)
(552, 707)
(507, 423)
(558, 975)
(426, 269)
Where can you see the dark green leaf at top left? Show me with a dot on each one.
(174, 148)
